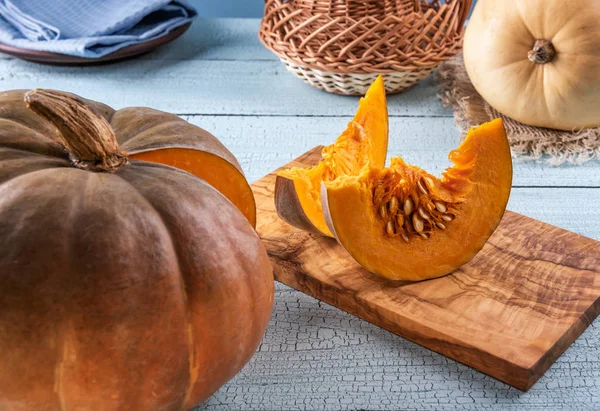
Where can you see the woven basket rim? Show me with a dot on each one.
(356, 84)
(367, 71)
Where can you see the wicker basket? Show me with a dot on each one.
(341, 46)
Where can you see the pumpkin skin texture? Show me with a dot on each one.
(365, 141)
(159, 137)
(557, 85)
(137, 288)
(469, 201)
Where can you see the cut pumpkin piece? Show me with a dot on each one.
(363, 143)
(405, 224)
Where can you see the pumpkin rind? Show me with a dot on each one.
(480, 181)
(560, 91)
(152, 135)
(143, 288)
(365, 140)
(290, 209)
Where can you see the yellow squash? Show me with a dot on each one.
(537, 61)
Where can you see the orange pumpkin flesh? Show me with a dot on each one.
(155, 136)
(214, 170)
(447, 222)
(365, 140)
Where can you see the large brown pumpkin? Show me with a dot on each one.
(124, 284)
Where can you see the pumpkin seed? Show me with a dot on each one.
(383, 211)
(423, 213)
(404, 237)
(417, 223)
(393, 205)
(424, 235)
(441, 207)
(390, 228)
(441, 226)
(408, 206)
(400, 220)
(430, 207)
(447, 217)
(421, 186)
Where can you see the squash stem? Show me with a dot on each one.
(86, 135)
(542, 52)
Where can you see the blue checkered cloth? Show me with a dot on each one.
(88, 28)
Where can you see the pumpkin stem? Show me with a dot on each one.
(87, 136)
(543, 52)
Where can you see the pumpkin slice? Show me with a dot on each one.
(364, 142)
(406, 224)
(159, 137)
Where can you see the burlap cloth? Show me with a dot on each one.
(551, 146)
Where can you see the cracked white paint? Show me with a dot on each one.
(316, 357)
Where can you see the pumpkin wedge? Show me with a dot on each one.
(364, 142)
(405, 224)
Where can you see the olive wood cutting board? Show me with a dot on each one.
(510, 312)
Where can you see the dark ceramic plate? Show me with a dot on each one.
(46, 57)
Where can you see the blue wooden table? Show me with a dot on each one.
(315, 356)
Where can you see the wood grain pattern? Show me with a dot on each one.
(510, 312)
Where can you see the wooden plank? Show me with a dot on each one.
(510, 312)
(206, 87)
(216, 39)
(264, 143)
(317, 357)
(574, 209)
